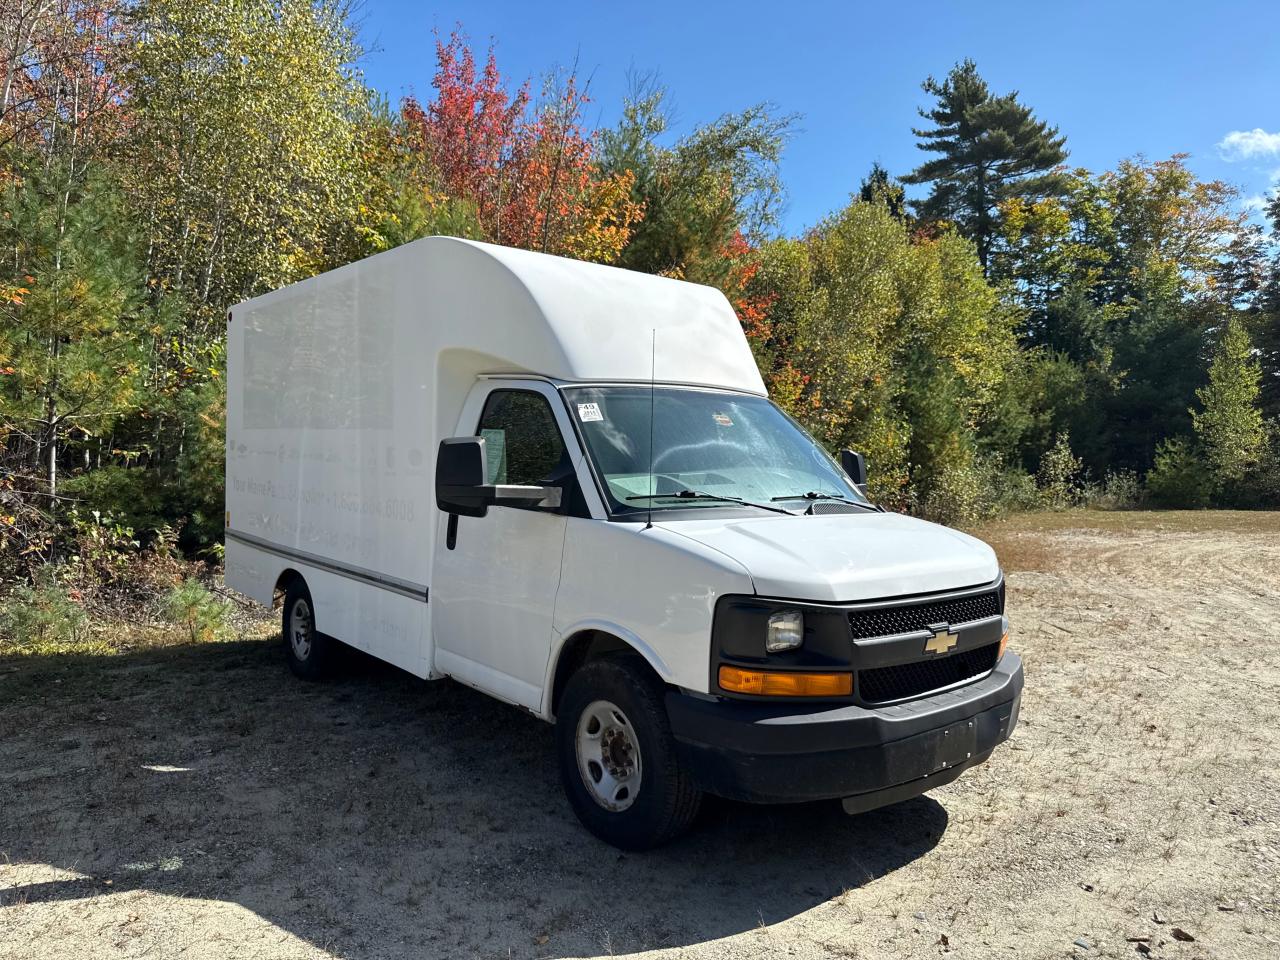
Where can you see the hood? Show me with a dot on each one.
(842, 558)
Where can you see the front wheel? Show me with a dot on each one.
(618, 758)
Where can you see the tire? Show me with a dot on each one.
(618, 759)
(311, 654)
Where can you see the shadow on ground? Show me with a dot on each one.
(380, 815)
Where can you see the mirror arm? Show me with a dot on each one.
(513, 495)
(500, 494)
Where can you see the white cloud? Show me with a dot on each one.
(1254, 204)
(1249, 144)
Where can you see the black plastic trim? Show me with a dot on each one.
(882, 797)
(761, 726)
(962, 666)
(771, 753)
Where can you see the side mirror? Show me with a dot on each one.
(460, 469)
(855, 465)
(461, 487)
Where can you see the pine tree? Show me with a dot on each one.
(880, 187)
(701, 191)
(991, 148)
(71, 331)
(1230, 426)
(1268, 329)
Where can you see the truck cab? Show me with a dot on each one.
(668, 568)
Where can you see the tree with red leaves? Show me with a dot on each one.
(61, 89)
(469, 129)
(528, 169)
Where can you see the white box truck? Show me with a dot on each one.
(563, 484)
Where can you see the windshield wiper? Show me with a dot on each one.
(699, 495)
(814, 495)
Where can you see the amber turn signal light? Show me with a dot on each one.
(765, 683)
(1004, 640)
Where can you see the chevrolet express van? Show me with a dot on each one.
(564, 484)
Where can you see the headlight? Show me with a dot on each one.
(786, 631)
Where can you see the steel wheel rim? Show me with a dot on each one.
(300, 628)
(609, 760)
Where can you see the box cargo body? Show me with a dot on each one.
(340, 387)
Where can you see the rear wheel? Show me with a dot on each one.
(311, 654)
(618, 758)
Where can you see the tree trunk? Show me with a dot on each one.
(53, 452)
(50, 430)
(982, 227)
(20, 47)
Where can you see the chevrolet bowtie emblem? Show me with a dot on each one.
(942, 640)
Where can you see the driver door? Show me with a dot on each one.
(494, 578)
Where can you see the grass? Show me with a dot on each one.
(1177, 521)
(109, 638)
(1020, 543)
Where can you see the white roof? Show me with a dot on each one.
(591, 322)
(529, 313)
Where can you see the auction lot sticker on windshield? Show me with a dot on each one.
(722, 419)
(589, 411)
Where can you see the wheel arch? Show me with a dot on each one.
(592, 641)
(283, 582)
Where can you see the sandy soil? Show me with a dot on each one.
(197, 801)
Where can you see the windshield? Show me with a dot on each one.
(720, 445)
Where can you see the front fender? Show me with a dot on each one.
(631, 639)
(651, 588)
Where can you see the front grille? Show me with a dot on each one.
(905, 680)
(885, 621)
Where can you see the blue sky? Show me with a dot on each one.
(1118, 78)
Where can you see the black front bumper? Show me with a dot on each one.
(779, 753)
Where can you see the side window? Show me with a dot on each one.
(522, 440)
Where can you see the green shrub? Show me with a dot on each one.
(195, 492)
(956, 496)
(1178, 477)
(41, 618)
(116, 577)
(192, 606)
(104, 547)
(131, 496)
(1259, 487)
(979, 490)
(1059, 475)
(1013, 490)
(184, 502)
(1119, 490)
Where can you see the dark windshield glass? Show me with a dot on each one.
(727, 445)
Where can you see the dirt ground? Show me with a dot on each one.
(197, 801)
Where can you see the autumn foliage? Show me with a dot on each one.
(62, 79)
(527, 167)
(163, 160)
